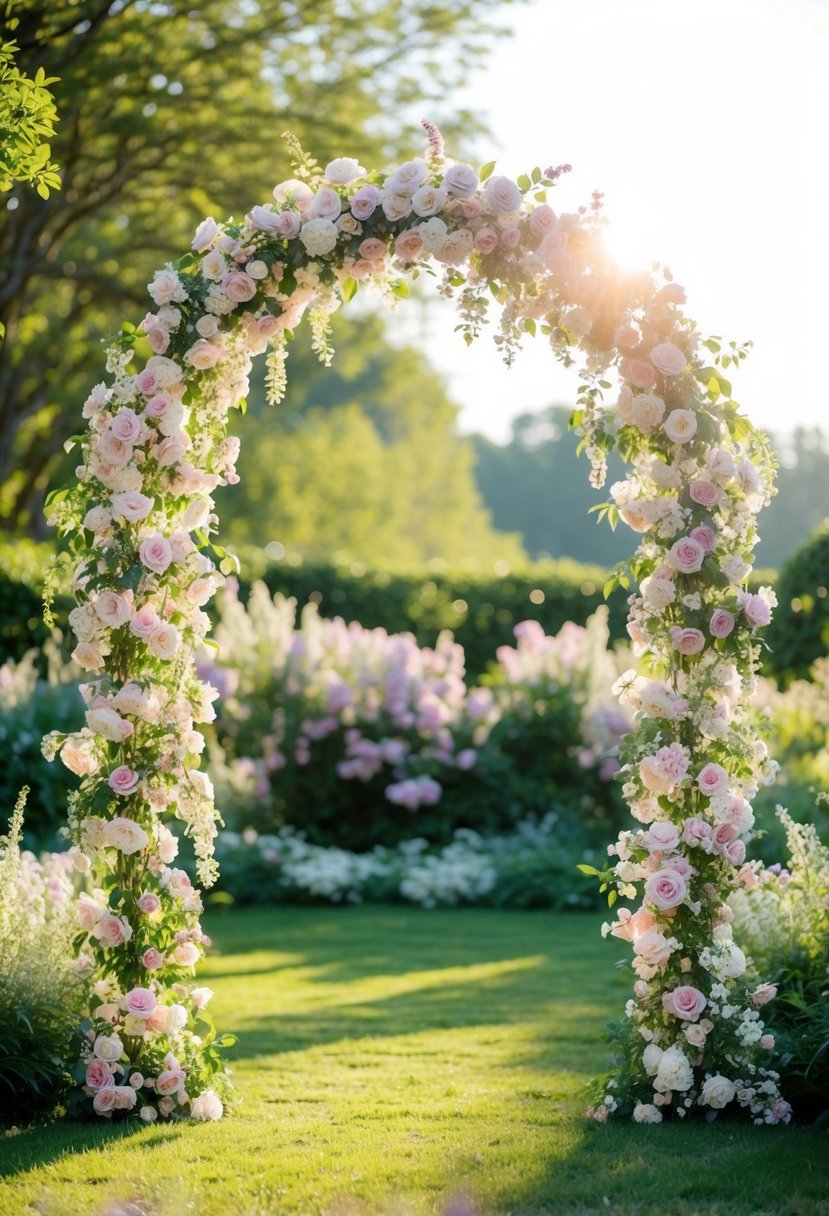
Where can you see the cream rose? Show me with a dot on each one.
(125, 835)
(717, 1092)
(319, 236)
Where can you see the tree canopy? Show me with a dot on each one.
(170, 112)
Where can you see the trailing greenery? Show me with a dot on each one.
(799, 631)
(403, 1060)
(39, 1005)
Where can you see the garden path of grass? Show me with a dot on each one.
(403, 1062)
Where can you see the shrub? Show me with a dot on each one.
(23, 569)
(781, 917)
(799, 632)
(534, 866)
(360, 736)
(39, 990)
(30, 705)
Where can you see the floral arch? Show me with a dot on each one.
(139, 524)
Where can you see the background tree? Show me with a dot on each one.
(170, 112)
(361, 459)
(533, 485)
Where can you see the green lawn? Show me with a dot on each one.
(401, 1062)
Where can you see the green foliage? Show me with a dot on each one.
(24, 566)
(159, 129)
(38, 994)
(31, 704)
(799, 632)
(27, 124)
(784, 921)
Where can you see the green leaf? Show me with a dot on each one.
(587, 869)
(486, 170)
(401, 289)
(348, 288)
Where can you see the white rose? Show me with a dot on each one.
(318, 236)
(658, 593)
(343, 171)
(108, 1047)
(456, 248)
(651, 1058)
(646, 1112)
(207, 1105)
(680, 425)
(432, 234)
(407, 178)
(674, 1072)
(126, 835)
(396, 206)
(717, 1092)
(428, 200)
(461, 180)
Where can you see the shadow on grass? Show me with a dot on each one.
(30, 1148)
(439, 971)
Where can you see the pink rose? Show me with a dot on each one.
(687, 641)
(706, 537)
(170, 1081)
(99, 1074)
(364, 202)
(705, 493)
(712, 779)
(486, 240)
(638, 372)
(668, 359)
(695, 831)
(186, 955)
(662, 837)
(756, 611)
(144, 622)
(372, 249)
(149, 903)
(146, 382)
(687, 555)
(763, 994)
(123, 780)
(408, 244)
(239, 286)
(722, 622)
(325, 205)
(112, 930)
(502, 196)
(735, 852)
(132, 506)
(112, 609)
(204, 354)
(152, 959)
(684, 1002)
(511, 238)
(542, 220)
(155, 553)
(104, 1101)
(666, 889)
(140, 1002)
(725, 835)
(126, 426)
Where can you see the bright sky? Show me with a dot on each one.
(705, 124)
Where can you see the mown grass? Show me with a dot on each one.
(402, 1062)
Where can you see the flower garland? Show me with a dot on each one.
(139, 524)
